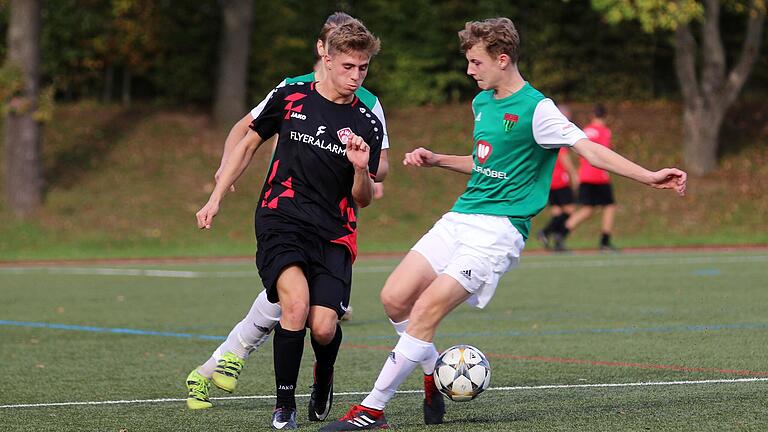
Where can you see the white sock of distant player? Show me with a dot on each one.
(428, 364)
(408, 353)
(248, 334)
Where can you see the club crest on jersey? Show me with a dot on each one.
(484, 150)
(510, 120)
(292, 111)
(344, 135)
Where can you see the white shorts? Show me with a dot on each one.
(474, 249)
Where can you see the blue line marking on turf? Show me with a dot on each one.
(707, 272)
(110, 330)
(621, 330)
(513, 333)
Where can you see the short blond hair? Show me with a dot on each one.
(499, 36)
(353, 37)
(333, 21)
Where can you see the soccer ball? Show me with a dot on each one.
(462, 372)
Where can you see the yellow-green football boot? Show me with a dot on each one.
(199, 387)
(227, 372)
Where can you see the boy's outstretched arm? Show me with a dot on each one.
(607, 159)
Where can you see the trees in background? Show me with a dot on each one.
(708, 86)
(169, 50)
(129, 44)
(231, 79)
(227, 54)
(20, 77)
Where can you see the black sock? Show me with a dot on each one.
(560, 224)
(288, 348)
(550, 226)
(605, 239)
(325, 357)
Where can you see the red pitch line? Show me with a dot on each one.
(592, 362)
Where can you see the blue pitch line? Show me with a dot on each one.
(513, 333)
(624, 330)
(110, 330)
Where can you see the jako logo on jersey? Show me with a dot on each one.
(344, 135)
(294, 111)
(510, 120)
(484, 149)
(320, 131)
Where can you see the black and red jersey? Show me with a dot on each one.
(309, 183)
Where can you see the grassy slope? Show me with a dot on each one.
(127, 183)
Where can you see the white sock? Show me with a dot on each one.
(248, 334)
(207, 368)
(399, 326)
(408, 353)
(428, 364)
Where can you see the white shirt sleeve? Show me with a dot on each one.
(551, 129)
(380, 114)
(260, 107)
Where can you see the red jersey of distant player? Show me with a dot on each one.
(587, 173)
(560, 177)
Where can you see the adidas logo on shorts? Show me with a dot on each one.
(467, 274)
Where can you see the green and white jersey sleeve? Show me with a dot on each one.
(551, 129)
(516, 140)
(366, 97)
(372, 102)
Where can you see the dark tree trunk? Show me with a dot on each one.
(126, 87)
(708, 95)
(23, 163)
(109, 82)
(701, 130)
(232, 77)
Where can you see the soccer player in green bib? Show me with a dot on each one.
(517, 135)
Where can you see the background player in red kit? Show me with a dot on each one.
(562, 201)
(323, 168)
(594, 186)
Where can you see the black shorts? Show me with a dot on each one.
(561, 197)
(595, 194)
(327, 266)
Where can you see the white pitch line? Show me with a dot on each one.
(359, 393)
(95, 271)
(619, 262)
(576, 263)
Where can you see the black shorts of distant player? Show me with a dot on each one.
(596, 194)
(327, 266)
(561, 196)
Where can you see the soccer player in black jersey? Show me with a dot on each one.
(323, 169)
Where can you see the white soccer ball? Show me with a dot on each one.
(462, 372)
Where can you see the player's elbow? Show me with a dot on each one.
(381, 174)
(587, 149)
(363, 201)
(383, 170)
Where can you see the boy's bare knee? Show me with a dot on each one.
(323, 334)
(394, 306)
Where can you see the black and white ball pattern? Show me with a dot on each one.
(462, 372)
